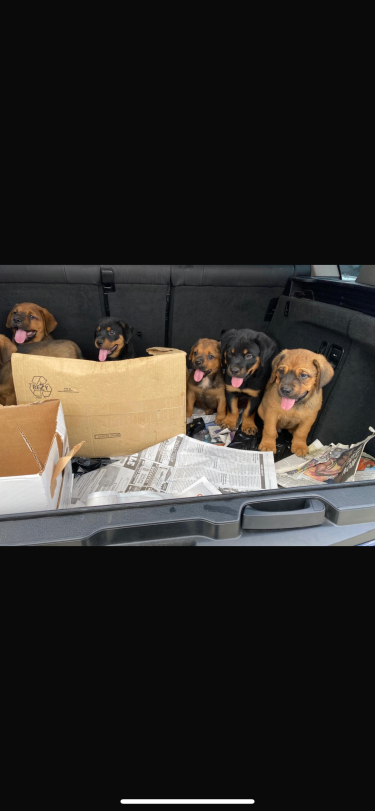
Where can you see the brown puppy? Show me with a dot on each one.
(52, 349)
(205, 385)
(293, 397)
(32, 326)
(30, 323)
(7, 393)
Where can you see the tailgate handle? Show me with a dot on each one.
(284, 514)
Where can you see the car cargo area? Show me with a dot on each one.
(173, 306)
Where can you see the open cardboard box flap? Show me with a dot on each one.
(26, 437)
(34, 457)
(117, 408)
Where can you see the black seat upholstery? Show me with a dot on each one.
(141, 298)
(207, 299)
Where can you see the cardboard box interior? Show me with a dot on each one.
(38, 426)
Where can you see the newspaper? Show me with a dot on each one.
(332, 464)
(101, 497)
(176, 465)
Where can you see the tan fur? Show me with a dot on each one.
(300, 419)
(248, 423)
(43, 322)
(209, 394)
(249, 392)
(231, 418)
(52, 349)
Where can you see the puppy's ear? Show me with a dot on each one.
(279, 359)
(49, 320)
(267, 346)
(224, 343)
(10, 315)
(325, 371)
(193, 348)
(6, 349)
(127, 331)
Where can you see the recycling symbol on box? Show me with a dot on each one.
(40, 388)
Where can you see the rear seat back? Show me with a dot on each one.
(141, 298)
(348, 401)
(72, 293)
(207, 299)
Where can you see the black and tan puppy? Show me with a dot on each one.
(246, 358)
(293, 397)
(31, 326)
(113, 339)
(7, 393)
(30, 323)
(205, 385)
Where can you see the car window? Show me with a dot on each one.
(350, 272)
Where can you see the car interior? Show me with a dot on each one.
(328, 309)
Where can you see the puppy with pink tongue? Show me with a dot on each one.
(113, 338)
(205, 383)
(31, 323)
(246, 358)
(293, 397)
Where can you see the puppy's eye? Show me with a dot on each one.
(249, 355)
(195, 353)
(280, 371)
(111, 332)
(210, 357)
(303, 376)
(31, 317)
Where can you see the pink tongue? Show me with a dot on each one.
(198, 376)
(287, 404)
(20, 336)
(237, 382)
(103, 353)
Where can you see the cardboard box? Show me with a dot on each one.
(117, 407)
(35, 468)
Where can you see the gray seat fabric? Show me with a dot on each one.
(348, 401)
(72, 293)
(141, 299)
(207, 299)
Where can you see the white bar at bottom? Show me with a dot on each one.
(188, 802)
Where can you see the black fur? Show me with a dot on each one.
(119, 327)
(258, 346)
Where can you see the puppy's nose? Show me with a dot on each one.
(100, 341)
(286, 390)
(16, 319)
(235, 370)
(198, 362)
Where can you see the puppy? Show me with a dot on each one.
(113, 339)
(293, 397)
(30, 323)
(205, 385)
(246, 359)
(7, 393)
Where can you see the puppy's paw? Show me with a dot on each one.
(300, 448)
(230, 422)
(267, 446)
(249, 427)
(220, 420)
